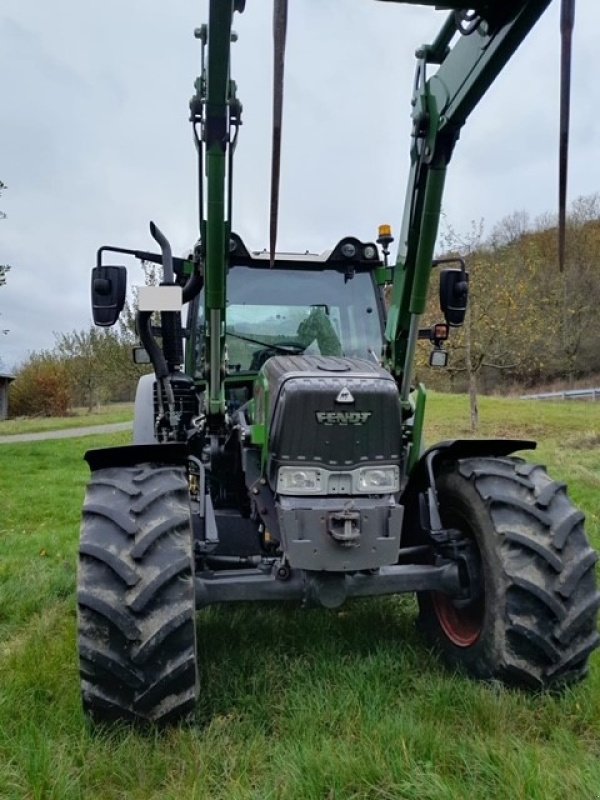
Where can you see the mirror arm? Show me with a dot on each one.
(141, 255)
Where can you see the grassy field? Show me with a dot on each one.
(295, 704)
(78, 418)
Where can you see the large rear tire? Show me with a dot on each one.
(534, 621)
(136, 598)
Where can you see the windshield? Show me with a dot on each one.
(270, 312)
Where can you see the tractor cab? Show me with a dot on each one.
(328, 304)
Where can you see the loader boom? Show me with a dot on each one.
(471, 49)
(214, 108)
(441, 105)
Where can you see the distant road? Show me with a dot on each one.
(67, 433)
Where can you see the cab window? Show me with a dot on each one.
(297, 311)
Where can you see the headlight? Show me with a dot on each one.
(299, 480)
(315, 481)
(378, 480)
(370, 252)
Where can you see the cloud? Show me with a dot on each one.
(95, 140)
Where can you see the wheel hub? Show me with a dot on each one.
(461, 617)
(462, 624)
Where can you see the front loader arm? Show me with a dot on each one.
(215, 113)
(216, 138)
(471, 49)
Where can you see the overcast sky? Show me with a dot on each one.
(95, 139)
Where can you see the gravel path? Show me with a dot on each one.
(67, 433)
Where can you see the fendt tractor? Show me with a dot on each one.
(278, 446)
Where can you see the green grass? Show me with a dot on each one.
(295, 704)
(78, 418)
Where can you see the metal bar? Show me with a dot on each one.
(280, 15)
(411, 346)
(216, 138)
(405, 578)
(240, 586)
(418, 551)
(567, 21)
(572, 394)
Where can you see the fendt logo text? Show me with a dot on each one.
(343, 417)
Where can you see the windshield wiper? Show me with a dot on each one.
(280, 348)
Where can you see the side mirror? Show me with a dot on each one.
(141, 356)
(454, 295)
(109, 285)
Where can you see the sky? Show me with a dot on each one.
(95, 139)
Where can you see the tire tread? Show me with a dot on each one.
(543, 627)
(137, 639)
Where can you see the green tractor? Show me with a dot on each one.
(278, 450)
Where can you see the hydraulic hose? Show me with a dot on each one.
(172, 339)
(161, 368)
(157, 358)
(193, 287)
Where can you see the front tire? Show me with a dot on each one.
(534, 621)
(136, 598)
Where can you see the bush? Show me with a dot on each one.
(41, 388)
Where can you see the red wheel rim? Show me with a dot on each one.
(462, 626)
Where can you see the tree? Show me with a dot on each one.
(99, 364)
(126, 324)
(493, 324)
(41, 388)
(576, 290)
(511, 229)
(567, 301)
(84, 368)
(80, 352)
(477, 343)
(502, 333)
